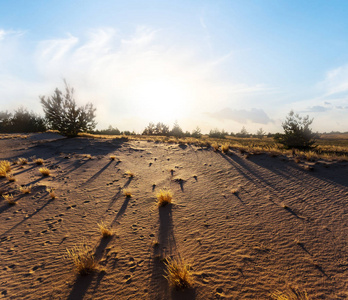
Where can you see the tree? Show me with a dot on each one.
(176, 130)
(158, 129)
(260, 133)
(297, 133)
(62, 113)
(243, 133)
(21, 121)
(196, 133)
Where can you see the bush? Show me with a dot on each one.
(62, 113)
(159, 129)
(21, 121)
(215, 133)
(196, 133)
(297, 133)
(177, 131)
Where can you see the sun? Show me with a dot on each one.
(162, 99)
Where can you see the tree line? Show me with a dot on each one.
(63, 114)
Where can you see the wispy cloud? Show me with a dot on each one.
(243, 116)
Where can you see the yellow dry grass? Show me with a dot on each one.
(22, 161)
(104, 230)
(5, 167)
(51, 192)
(215, 146)
(39, 161)
(83, 259)
(112, 157)
(25, 189)
(44, 171)
(164, 197)
(127, 192)
(10, 177)
(129, 174)
(225, 147)
(178, 274)
(9, 198)
(290, 294)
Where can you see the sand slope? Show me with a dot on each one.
(286, 225)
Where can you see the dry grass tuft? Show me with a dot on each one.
(290, 294)
(83, 259)
(225, 147)
(129, 174)
(112, 157)
(22, 161)
(10, 177)
(215, 146)
(51, 192)
(45, 171)
(104, 230)
(9, 199)
(127, 193)
(164, 197)
(25, 189)
(39, 161)
(235, 191)
(5, 167)
(178, 274)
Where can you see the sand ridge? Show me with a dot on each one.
(285, 226)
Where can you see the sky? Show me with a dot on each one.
(213, 64)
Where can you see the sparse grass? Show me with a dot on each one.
(51, 192)
(129, 174)
(39, 161)
(235, 191)
(105, 230)
(127, 193)
(25, 189)
(9, 198)
(10, 177)
(22, 161)
(284, 206)
(290, 294)
(112, 157)
(164, 197)
(225, 147)
(5, 167)
(45, 171)
(83, 259)
(215, 146)
(178, 274)
(88, 156)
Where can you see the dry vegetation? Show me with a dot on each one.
(127, 193)
(178, 274)
(25, 189)
(105, 230)
(22, 161)
(51, 192)
(44, 171)
(38, 161)
(290, 294)
(129, 174)
(5, 167)
(83, 259)
(164, 197)
(9, 198)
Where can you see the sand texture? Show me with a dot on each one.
(246, 226)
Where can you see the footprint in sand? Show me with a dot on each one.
(128, 279)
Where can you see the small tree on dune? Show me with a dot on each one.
(297, 133)
(62, 113)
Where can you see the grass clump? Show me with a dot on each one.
(164, 197)
(5, 167)
(83, 259)
(25, 189)
(112, 157)
(45, 171)
(127, 193)
(235, 191)
(104, 230)
(225, 147)
(9, 198)
(290, 294)
(39, 161)
(22, 161)
(10, 177)
(215, 146)
(129, 174)
(178, 274)
(51, 192)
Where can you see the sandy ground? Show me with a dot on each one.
(286, 225)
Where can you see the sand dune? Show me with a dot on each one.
(285, 224)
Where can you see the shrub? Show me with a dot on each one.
(5, 166)
(176, 130)
(44, 171)
(196, 133)
(215, 133)
(164, 197)
(297, 133)
(159, 129)
(83, 259)
(62, 113)
(178, 274)
(104, 230)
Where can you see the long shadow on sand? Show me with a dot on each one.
(96, 175)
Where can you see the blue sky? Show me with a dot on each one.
(212, 64)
